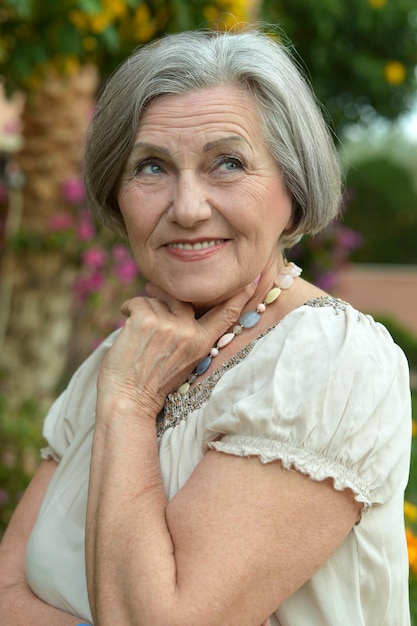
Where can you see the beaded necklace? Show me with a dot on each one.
(284, 280)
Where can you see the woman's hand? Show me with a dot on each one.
(160, 344)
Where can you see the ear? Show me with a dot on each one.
(291, 219)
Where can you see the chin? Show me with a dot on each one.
(198, 295)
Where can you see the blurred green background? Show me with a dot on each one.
(61, 281)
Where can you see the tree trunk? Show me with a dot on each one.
(36, 280)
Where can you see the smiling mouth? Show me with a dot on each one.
(200, 245)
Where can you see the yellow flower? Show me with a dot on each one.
(100, 21)
(210, 12)
(412, 549)
(394, 73)
(78, 18)
(142, 14)
(117, 7)
(410, 511)
(414, 428)
(377, 4)
(145, 32)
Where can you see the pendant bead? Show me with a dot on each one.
(272, 295)
(225, 340)
(285, 281)
(249, 319)
(203, 365)
(293, 269)
(183, 388)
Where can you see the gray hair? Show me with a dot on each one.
(294, 128)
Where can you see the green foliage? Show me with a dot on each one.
(382, 207)
(360, 54)
(41, 35)
(403, 337)
(348, 48)
(20, 441)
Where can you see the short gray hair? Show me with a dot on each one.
(295, 131)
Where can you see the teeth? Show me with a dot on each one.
(195, 246)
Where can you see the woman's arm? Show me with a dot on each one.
(237, 540)
(19, 606)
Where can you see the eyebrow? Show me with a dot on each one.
(224, 140)
(141, 145)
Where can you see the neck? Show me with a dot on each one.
(266, 281)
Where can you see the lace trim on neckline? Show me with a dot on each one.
(177, 407)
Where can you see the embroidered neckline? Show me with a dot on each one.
(177, 406)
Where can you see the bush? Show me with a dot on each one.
(403, 337)
(381, 204)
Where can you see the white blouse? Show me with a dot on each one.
(325, 391)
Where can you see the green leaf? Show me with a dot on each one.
(90, 6)
(22, 8)
(110, 38)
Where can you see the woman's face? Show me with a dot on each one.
(202, 199)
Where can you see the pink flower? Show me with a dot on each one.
(120, 253)
(127, 271)
(61, 221)
(94, 257)
(87, 285)
(85, 228)
(73, 190)
(348, 238)
(125, 267)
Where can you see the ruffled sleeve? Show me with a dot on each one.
(327, 393)
(74, 409)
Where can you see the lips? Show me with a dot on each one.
(199, 245)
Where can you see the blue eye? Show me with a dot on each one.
(230, 164)
(148, 167)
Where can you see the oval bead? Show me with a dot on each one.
(294, 270)
(249, 319)
(272, 295)
(285, 281)
(203, 365)
(225, 340)
(183, 388)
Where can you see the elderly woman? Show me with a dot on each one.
(238, 452)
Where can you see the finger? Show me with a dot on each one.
(174, 305)
(134, 304)
(221, 317)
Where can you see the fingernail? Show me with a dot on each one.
(257, 279)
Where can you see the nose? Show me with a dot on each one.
(190, 204)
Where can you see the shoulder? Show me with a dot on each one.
(75, 406)
(338, 329)
(328, 391)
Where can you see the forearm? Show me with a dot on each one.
(131, 567)
(19, 606)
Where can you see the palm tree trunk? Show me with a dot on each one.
(37, 321)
